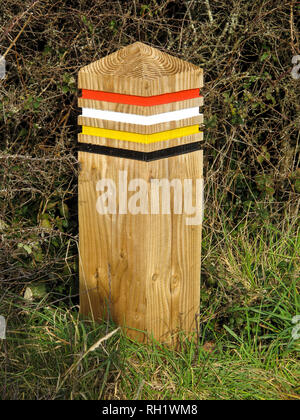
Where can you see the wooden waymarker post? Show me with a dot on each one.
(140, 192)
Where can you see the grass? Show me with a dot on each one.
(244, 349)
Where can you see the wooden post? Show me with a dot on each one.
(140, 215)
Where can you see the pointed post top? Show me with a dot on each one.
(139, 69)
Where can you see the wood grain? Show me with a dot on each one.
(153, 284)
(139, 69)
(142, 147)
(139, 129)
(186, 258)
(140, 110)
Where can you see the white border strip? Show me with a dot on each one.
(140, 119)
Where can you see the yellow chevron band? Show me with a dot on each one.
(141, 138)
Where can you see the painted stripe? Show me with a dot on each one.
(140, 138)
(139, 129)
(136, 155)
(140, 100)
(140, 110)
(140, 119)
(141, 147)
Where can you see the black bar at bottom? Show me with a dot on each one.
(144, 156)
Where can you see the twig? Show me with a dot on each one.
(219, 39)
(292, 28)
(188, 8)
(17, 37)
(17, 18)
(210, 16)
